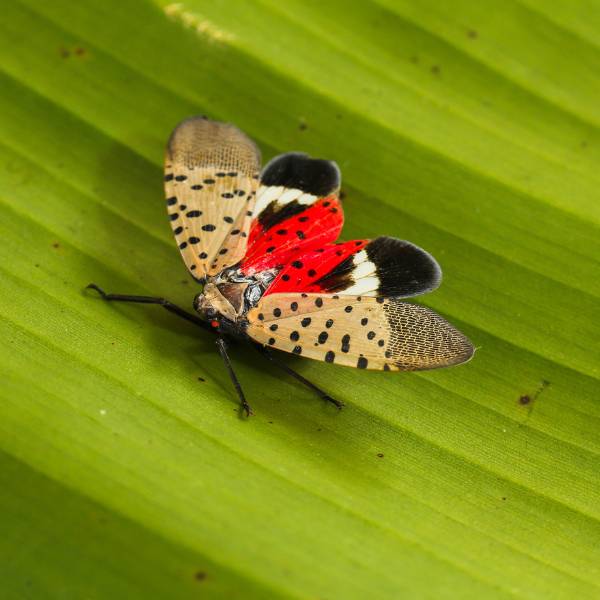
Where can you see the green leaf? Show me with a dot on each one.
(472, 129)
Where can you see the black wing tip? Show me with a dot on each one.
(316, 176)
(404, 269)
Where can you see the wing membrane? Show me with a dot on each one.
(297, 209)
(211, 177)
(371, 333)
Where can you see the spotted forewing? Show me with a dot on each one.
(211, 177)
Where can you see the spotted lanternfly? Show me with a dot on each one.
(263, 247)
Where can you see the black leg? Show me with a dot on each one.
(222, 347)
(173, 308)
(267, 354)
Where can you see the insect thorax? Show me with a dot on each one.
(231, 294)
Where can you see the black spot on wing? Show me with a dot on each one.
(403, 269)
(296, 170)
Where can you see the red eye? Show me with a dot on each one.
(214, 324)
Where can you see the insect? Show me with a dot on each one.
(263, 246)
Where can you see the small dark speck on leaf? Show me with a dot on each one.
(184, 281)
(503, 497)
(414, 60)
(64, 52)
(201, 379)
(80, 51)
(302, 126)
(37, 265)
(56, 245)
(472, 34)
(527, 399)
(342, 194)
(270, 422)
(199, 575)
(380, 455)
(338, 116)
(435, 70)
(584, 144)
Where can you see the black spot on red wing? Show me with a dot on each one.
(305, 322)
(297, 350)
(303, 219)
(294, 336)
(300, 234)
(281, 232)
(326, 204)
(330, 356)
(297, 264)
(270, 249)
(362, 363)
(285, 277)
(311, 273)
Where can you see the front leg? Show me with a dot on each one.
(166, 304)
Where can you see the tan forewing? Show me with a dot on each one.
(211, 177)
(363, 332)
